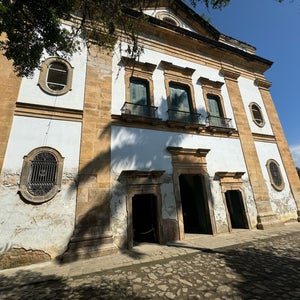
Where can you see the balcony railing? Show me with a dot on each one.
(134, 109)
(221, 122)
(183, 116)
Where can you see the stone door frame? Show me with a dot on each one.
(190, 161)
(141, 183)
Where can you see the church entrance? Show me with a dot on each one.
(194, 204)
(236, 209)
(144, 219)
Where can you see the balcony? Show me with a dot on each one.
(139, 112)
(183, 118)
(219, 124)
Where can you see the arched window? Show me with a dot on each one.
(275, 174)
(56, 76)
(41, 174)
(216, 113)
(256, 114)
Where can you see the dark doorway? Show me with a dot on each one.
(144, 218)
(236, 209)
(194, 204)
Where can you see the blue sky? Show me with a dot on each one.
(273, 28)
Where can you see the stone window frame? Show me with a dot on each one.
(181, 76)
(277, 187)
(168, 18)
(212, 88)
(254, 119)
(44, 75)
(139, 71)
(25, 173)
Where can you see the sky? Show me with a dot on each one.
(274, 29)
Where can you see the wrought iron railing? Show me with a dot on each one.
(139, 110)
(219, 122)
(184, 116)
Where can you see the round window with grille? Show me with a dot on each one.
(41, 175)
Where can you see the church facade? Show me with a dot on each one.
(103, 151)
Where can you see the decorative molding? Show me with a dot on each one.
(176, 70)
(263, 83)
(44, 111)
(131, 63)
(230, 74)
(188, 151)
(209, 83)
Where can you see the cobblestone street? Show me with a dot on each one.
(264, 269)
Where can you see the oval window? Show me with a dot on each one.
(56, 76)
(257, 116)
(41, 175)
(275, 175)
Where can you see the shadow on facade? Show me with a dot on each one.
(34, 285)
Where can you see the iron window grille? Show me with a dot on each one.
(183, 116)
(139, 110)
(41, 175)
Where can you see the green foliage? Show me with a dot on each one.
(34, 27)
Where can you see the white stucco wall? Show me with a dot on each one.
(46, 226)
(282, 202)
(250, 93)
(30, 92)
(141, 149)
(160, 97)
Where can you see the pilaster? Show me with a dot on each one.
(9, 86)
(282, 144)
(92, 236)
(265, 215)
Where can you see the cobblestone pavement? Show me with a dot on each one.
(265, 269)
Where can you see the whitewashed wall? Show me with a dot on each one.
(282, 202)
(30, 92)
(160, 97)
(141, 149)
(46, 226)
(250, 93)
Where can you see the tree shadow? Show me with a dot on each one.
(266, 274)
(267, 270)
(34, 285)
(91, 228)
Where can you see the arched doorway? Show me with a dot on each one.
(144, 218)
(236, 209)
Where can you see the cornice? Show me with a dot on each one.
(230, 74)
(262, 83)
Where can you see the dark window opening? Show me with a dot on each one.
(144, 218)
(236, 209)
(57, 76)
(180, 97)
(275, 175)
(170, 21)
(194, 204)
(139, 91)
(257, 114)
(42, 174)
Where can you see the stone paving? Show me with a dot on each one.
(264, 267)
